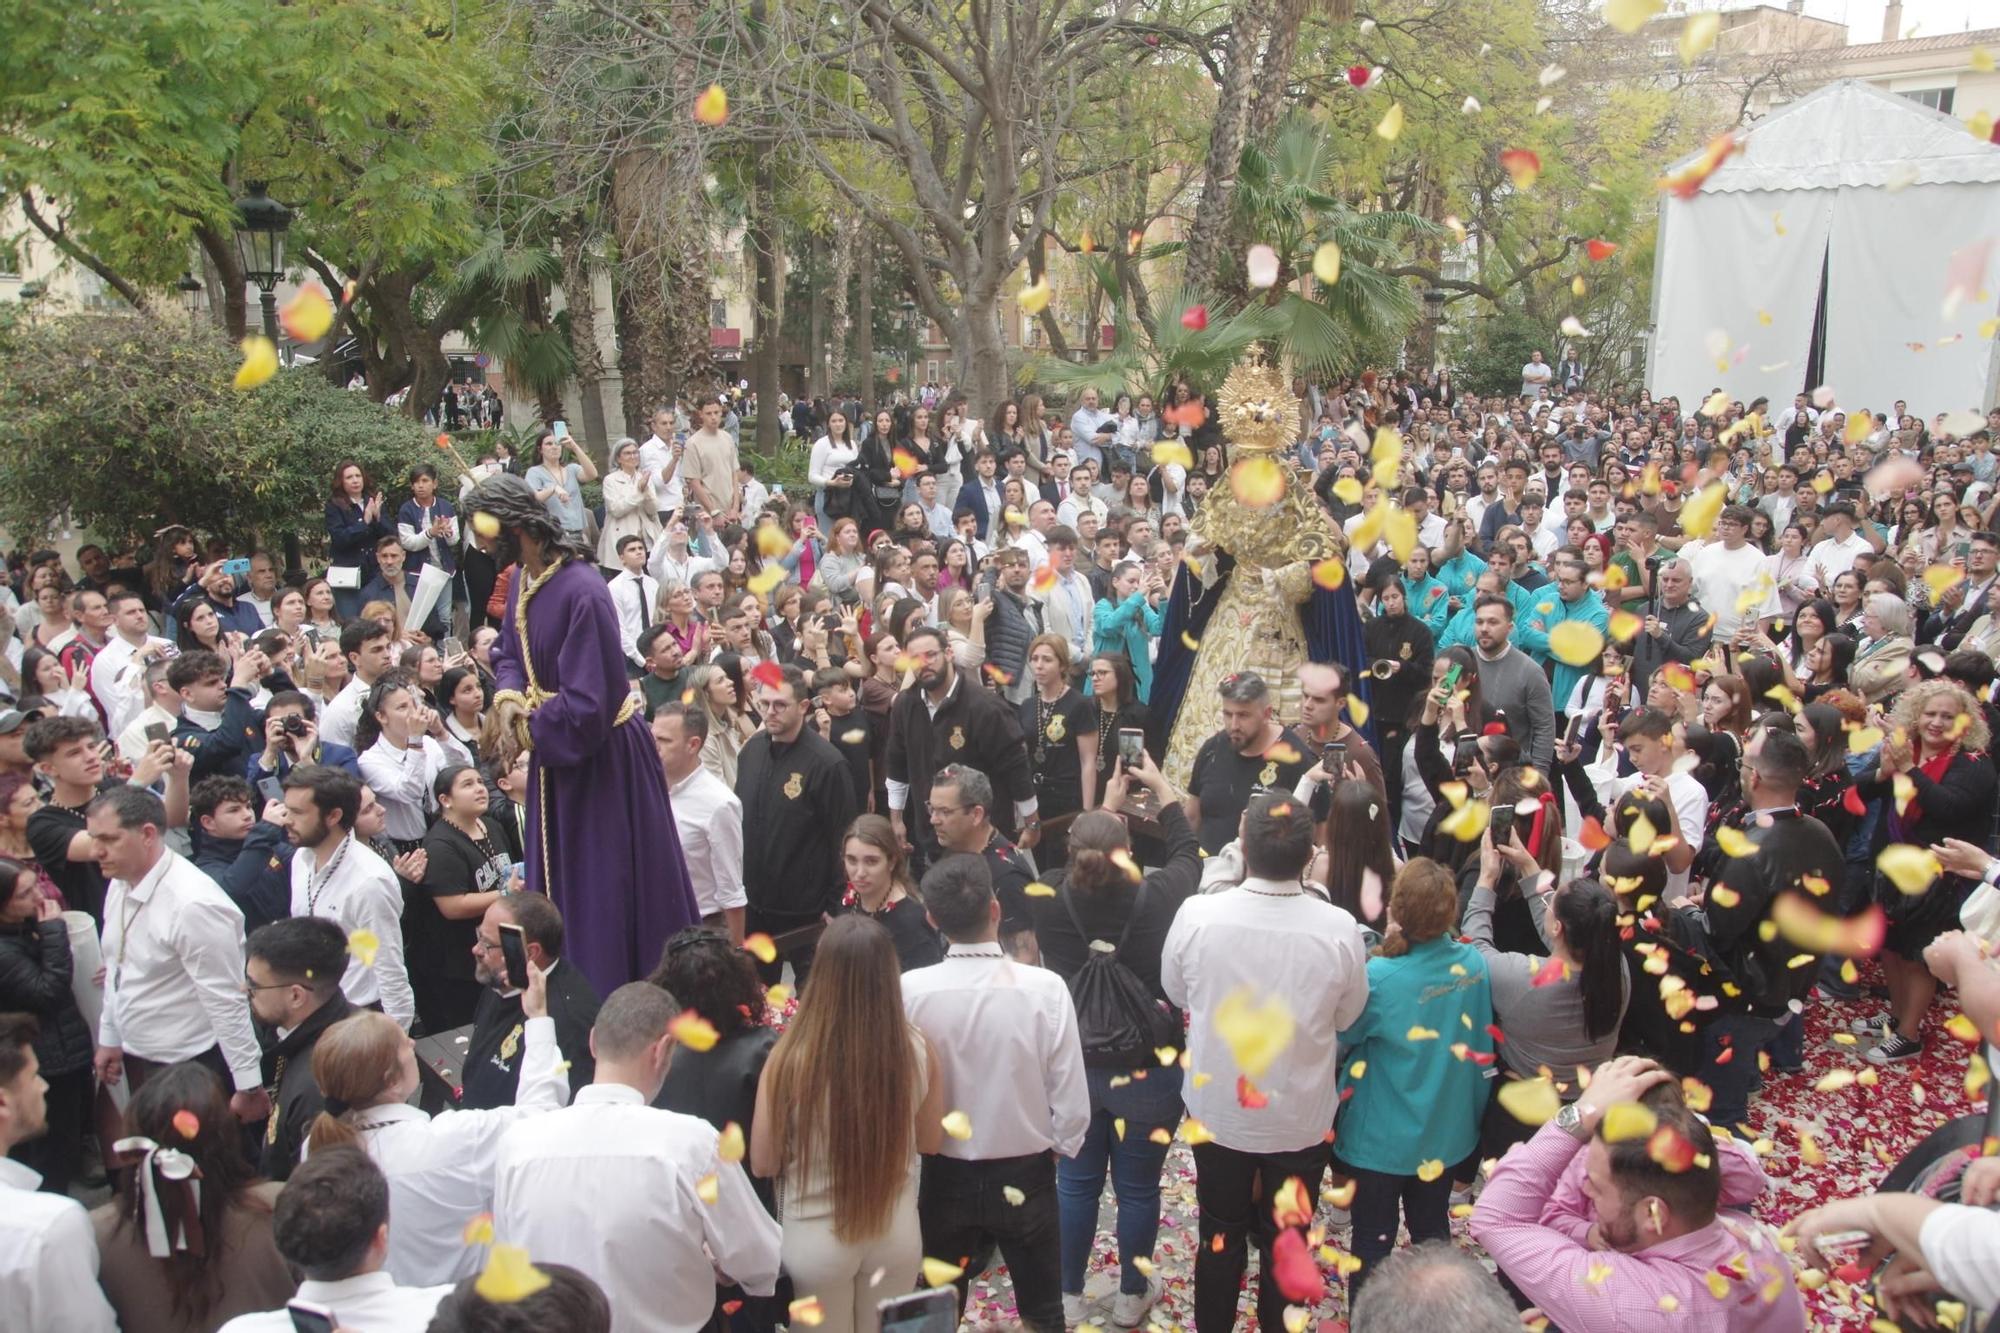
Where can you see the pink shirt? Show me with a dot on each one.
(1533, 1216)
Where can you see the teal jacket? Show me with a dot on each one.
(1129, 627)
(1417, 1099)
(1457, 632)
(1429, 601)
(1590, 609)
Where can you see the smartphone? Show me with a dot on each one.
(273, 789)
(514, 955)
(157, 731)
(560, 429)
(1571, 728)
(1467, 750)
(1131, 746)
(1451, 676)
(236, 568)
(310, 1318)
(934, 1310)
(451, 647)
(1503, 824)
(1333, 757)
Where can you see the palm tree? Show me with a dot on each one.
(1151, 354)
(513, 284)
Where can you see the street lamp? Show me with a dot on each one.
(190, 289)
(910, 326)
(260, 246)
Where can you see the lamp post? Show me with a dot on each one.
(910, 327)
(260, 247)
(1434, 300)
(190, 289)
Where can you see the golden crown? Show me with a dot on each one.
(1256, 408)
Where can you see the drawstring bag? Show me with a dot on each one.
(1120, 1021)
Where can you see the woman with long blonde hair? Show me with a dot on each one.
(846, 1103)
(440, 1169)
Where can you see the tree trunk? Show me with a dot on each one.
(986, 353)
(225, 278)
(815, 382)
(864, 333)
(580, 303)
(632, 399)
(638, 188)
(1274, 71)
(767, 253)
(1210, 232)
(846, 241)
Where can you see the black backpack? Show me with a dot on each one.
(1118, 1018)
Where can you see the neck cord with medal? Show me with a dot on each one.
(321, 876)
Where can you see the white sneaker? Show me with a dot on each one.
(1336, 1217)
(1130, 1311)
(1869, 1027)
(1072, 1309)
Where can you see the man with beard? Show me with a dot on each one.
(292, 972)
(596, 842)
(945, 719)
(493, 1054)
(337, 876)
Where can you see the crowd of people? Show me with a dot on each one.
(1510, 916)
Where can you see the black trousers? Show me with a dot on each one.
(963, 1211)
(1382, 1202)
(1234, 1190)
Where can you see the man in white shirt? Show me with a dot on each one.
(646, 1202)
(1011, 1065)
(117, 673)
(173, 958)
(1081, 500)
(1068, 604)
(1535, 376)
(662, 458)
(708, 815)
(163, 708)
(48, 1254)
(368, 646)
(636, 595)
(331, 1224)
(1650, 743)
(337, 876)
(1833, 554)
(1264, 944)
(673, 563)
(1730, 578)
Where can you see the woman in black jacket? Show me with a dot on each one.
(1096, 899)
(35, 975)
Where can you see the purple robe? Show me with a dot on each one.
(600, 838)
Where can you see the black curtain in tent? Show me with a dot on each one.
(1816, 350)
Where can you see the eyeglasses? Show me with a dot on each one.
(251, 988)
(485, 944)
(935, 809)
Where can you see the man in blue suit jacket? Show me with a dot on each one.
(390, 577)
(285, 745)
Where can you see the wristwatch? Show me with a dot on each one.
(1570, 1117)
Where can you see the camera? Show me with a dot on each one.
(294, 726)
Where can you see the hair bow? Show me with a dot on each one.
(168, 1200)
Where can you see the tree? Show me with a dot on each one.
(121, 425)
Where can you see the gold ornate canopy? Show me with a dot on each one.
(1256, 409)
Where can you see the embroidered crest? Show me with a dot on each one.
(1407, 648)
(957, 740)
(1269, 775)
(794, 785)
(512, 1045)
(1057, 730)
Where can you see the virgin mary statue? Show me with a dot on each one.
(1246, 597)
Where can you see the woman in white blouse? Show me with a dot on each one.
(629, 507)
(440, 1169)
(404, 746)
(831, 453)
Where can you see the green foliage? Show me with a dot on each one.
(1148, 356)
(1490, 358)
(121, 425)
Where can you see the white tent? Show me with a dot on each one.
(1820, 254)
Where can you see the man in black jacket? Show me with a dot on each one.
(1676, 630)
(493, 1054)
(798, 799)
(1755, 981)
(1964, 602)
(947, 719)
(249, 857)
(218, 726)
(292, 971)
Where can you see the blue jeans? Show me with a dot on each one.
(1134, 1161)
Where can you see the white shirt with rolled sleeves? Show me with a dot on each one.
(118, 686)
(1008, 1052)
(710, 819)
(342, 713)
(367, 1301)
(1269, 941)
(173, 971)
(440, 1169)
(654, 456)
(612, 1187)
(48, 1260)
(362, 893)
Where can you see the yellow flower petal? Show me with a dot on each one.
(1391, 124)
(1628, 16)
(364, 945)
(938, 1273)
(1257, 1034)
(708, 1189)
(1575, 643)
(1910, 869)
(1734, 842)
(729, 1147)
(260, 362)
(1034, 298)
(1430, 1170)
(958, 1124)
(1326, 263)
(761, 946)
(712, 107)
(1532, 1101)
(693, 1031)
(1698, 515)
(508, 1276)
(1698, 35)
(308, 315)
(1628, 1120)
